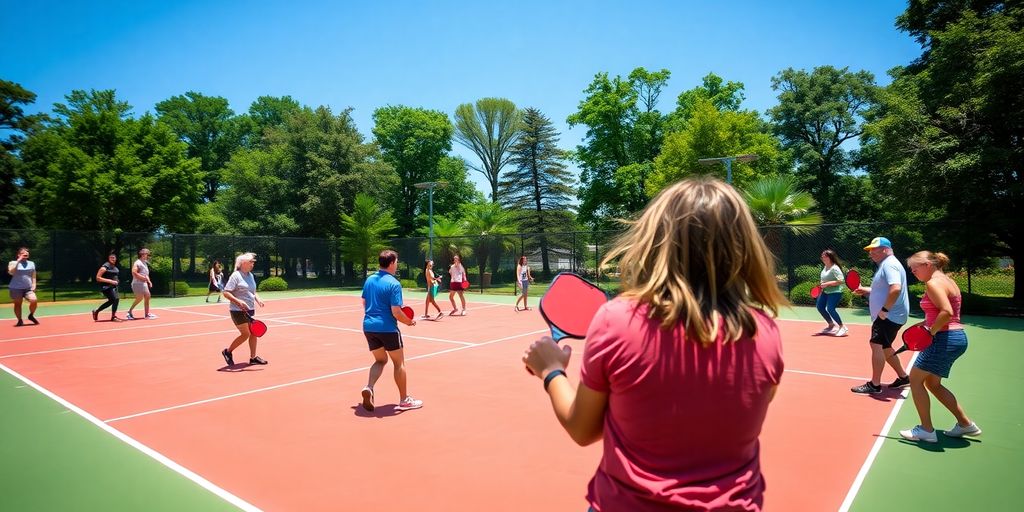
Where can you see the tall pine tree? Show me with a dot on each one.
(539, 187)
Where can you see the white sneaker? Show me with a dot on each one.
(151, 316)
(958, 431)
(408, 403)
(827, 330)
(842, 331)
(918, 433)
(367, 398)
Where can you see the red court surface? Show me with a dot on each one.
(291, 435)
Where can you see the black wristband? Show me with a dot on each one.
(885, 309)
(551, 376)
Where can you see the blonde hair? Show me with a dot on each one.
(695, 256)
(242, 258)
(937, 259)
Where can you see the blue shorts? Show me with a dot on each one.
(946, 347)
(525, 284)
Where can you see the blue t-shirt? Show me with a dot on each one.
(889, 272)
(381, 291)
(22, 277)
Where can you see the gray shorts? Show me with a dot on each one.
(140, 288)
(525, 283)
(21, 293)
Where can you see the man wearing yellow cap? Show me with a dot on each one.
(889, 307)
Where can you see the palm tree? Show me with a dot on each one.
(486, 223)
(449, 240)
(365, 232)
(775, 200)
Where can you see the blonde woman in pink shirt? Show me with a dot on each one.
(679, 369)
(941, 306)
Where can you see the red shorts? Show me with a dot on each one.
(456, 286)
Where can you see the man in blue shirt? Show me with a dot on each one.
(382, 304)
(889, 307)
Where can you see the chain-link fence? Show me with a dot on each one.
(67, 261)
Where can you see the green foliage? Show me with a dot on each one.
(449, 239)
(448, 200)
(624, 128)
(209, 128)
(485, 223)
(14, 124)
(364, 232)
(181, 289)
(818, 112)
(805, 273)
(489, 129)
(159, 273)
(95, 168)
(948, 130)
(414, 141)
(273, 284)
(710, 133)
(726, 97)
(775, 200)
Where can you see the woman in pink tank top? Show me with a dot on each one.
(941, 306)
(678, 371)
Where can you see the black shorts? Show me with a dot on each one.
(883, 332)
(239, 318)
(389, 340)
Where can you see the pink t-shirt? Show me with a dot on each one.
(931, 312)
(683, 420)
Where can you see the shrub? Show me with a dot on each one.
(273, 284)
(181, 289)
(159, 273)
(410, 284)
(807, 273)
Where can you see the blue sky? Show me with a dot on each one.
(432, 54)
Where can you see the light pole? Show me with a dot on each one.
(430, 186)
(728, 163)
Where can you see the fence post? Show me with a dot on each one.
(53, 264)
(572, 256)
(790, 272)
(968, 275)
(174, 262)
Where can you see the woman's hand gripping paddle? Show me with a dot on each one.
(257, 327)
(917, 337)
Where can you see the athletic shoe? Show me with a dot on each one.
(867, 388)
(33, 319)
(129, 316)
(151, 316)
(454, 312)
(958, 431)
(95, 316)
(440, 315)
(368, 398)
(460, 314)
(409, 403)
(19, 324)
(257, 360)
(843, 331)
(918, 433)
(900, 382)
(827, 330)
(116, 319)
(228, 358)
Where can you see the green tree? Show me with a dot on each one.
(14, 124)
(725, 96)
(711, 133)
(950, 129)
(96, 168)
(209, 128)
(538, 188)
(487, 224)
(489, 129)
(365, 232)
(458, 191)
(777, 200)
(268, 112)
(414, 141)
(449, 239)
(817, 113)
(625, 132)
(257, 200)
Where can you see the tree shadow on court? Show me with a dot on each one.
(380, 411)
(944, 443)
(241, 367)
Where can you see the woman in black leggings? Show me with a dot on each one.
(107, 277)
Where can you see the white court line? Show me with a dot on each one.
(322, 377)
(174, 466)
(349, 329)
(857, 482)
(803, 372)
(155, 325)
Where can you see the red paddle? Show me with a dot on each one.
(815, 292)
(852, 279)
(257, 327)
(408, 312)
(569, 305)
(916, 338)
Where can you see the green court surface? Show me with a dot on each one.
(54, 459)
